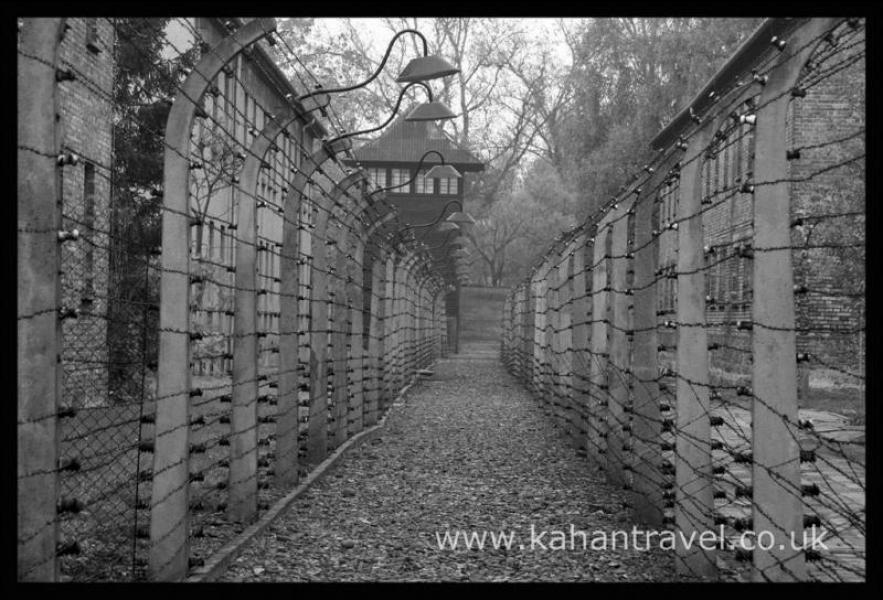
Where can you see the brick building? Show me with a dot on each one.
(250, 88)
(85, 103)
(393, 158)
(825, 128)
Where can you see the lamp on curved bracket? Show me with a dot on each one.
(441, 170)
(418, 69)
(460, 218)
(447, 226)
(452, 240)
(430, 111)
(437, 111)
(426, 67)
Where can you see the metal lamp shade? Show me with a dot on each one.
(461, 218)
(431, 111)
(424, 68)
(442, 172)
(447, 226)
(340, 145)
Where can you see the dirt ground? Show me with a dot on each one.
(468, 450)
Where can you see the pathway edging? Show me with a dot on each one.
(221, 559)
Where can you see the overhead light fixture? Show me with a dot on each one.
(431, 111)
(427, 111)
(443, 172)
(424, 68)
(447, 226)
(461, 218)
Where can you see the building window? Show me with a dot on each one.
(211, 240)
(400, 176)
(222, 244)
(723, 172)
(747, 279)
(89, 222)
(378, 176)
(667, 241)
(447, 185)
(421, 184)
(249, 116)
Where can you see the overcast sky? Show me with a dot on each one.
(539, 29)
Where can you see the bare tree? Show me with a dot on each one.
(509, 91)
(215, 153)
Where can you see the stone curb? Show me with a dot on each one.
(220, 560)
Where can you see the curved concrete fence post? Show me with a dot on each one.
(647, 421)
(600, 351)
(39, 331)
(620, 325)
(317, 427)
(340, 330)
(361, 361)
(354, 285)
(694, 504)
(291, 377)
(375, 341)
(778, 504)
(243, 480)
(580, 308)
(389, 323)
(378, 325)
(169, 518)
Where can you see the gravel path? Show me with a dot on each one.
(468, 450)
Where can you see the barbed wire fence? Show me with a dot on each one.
(701, 339)
(209, 300)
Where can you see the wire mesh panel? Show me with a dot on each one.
(744, 256)
(174, 205)
(216, 159)
(110, 277)
(728, 214)
(826, 160)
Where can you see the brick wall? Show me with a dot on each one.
(86, 110)
(248, 96)
(86, 123)
(832, 110)
(828, 316)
